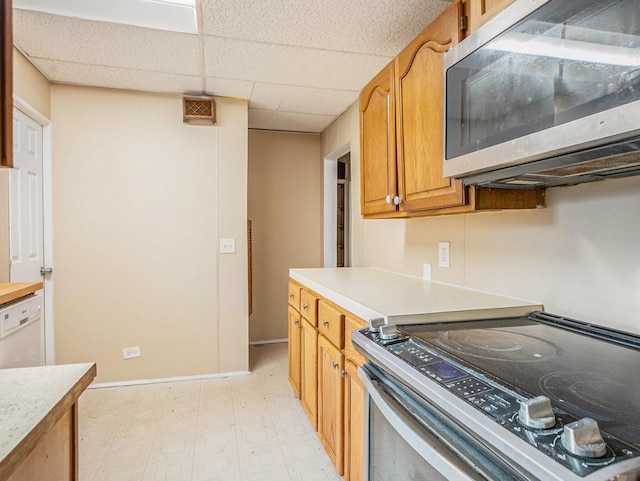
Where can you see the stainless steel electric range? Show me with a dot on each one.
(534, 398)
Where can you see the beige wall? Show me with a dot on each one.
(285, 207)
(140, 201)
(32, 87)
(579, 256)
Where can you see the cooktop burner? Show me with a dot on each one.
(498, 345)
(583, 375)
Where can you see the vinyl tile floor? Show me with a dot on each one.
(239, 428)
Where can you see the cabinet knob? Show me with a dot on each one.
(335, 364)
(299, 326)
(388, 199)
(304, 306)
(295, 321)
(342, 373)
(290, 296)
(325, 322)
(397, 200)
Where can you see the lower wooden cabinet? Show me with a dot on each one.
(323, 367)
(330, 401)
(354, 396)
(295, 350)
(309, 391)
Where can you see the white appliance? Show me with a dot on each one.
(22, 333)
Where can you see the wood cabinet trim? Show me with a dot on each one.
(6, 84)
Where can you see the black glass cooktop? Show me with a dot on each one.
(582, 375)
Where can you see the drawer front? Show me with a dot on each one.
(309, 307)
(294, 295)
(331, 324)
(350, 325)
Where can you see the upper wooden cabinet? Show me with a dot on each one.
(479, 12)
(419, 116)
(378, 144)
(402, 136)
(6, 85)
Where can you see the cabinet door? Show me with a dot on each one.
(420, 117)
(480, 12)
(330, 401)
(295, 360)
(378, 178)
(309, 389)
(353, 424)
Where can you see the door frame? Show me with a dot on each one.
(330, 205)
(47, 221)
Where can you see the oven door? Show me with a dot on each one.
(406, 438)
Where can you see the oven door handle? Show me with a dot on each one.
(423, 442)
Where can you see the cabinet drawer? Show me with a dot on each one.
(350, 325)
(331, 324)
(309, 307)
(294, 295)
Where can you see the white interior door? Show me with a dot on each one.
(26, 220)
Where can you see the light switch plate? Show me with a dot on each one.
(227, 246)
(444, 259)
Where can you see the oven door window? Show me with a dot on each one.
(408, 440)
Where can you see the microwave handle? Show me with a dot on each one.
(423, 442)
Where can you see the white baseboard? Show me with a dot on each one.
(269, 341)
(168, 379)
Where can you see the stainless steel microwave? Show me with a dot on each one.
(547, 93)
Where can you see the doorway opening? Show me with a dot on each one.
(337, 222)
(343, 208)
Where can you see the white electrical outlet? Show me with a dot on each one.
(426, 272)
(131, 352)
(444, 259)
(227, 246)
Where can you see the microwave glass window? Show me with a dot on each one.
(561, 63)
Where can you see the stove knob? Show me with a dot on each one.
(537, 413)
(374, 324)
(583, 438)
(388, 332)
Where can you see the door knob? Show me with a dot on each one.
(45, 270)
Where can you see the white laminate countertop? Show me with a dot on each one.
(399, 299)
(31, 398)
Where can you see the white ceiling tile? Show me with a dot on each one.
(286, 98)
(83, 41)
(240, 89)
(118, 78)
(381, 27)
(268, 96)
(318, 101)
(271, 120)
(268, 63)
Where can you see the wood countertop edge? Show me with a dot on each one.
(10, 291)
(15, 458)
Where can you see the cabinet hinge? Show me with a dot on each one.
(463, 23)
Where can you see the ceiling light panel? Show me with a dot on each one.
(174, 16)
(82, 41)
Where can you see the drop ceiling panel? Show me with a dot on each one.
(381, 27)
(83, 41)
(286, 98)
(118, 78)
(240, 89)
(294, 122)
(269, 63)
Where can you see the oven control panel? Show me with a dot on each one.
(577, 444)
